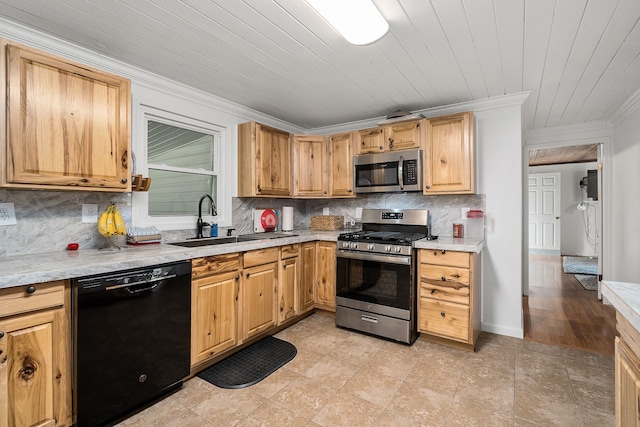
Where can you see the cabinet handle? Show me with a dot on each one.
(442, 313)
(84, 180)
(123, 180)
(31, 289)
(443, 251)
(456, 276)
(390, 143)
(259, 189)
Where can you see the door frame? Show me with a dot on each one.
(567, 138)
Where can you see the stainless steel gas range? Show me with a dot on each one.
(376, 274)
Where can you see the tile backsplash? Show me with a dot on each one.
(48, 220)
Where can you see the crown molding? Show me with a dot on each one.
(626, 109)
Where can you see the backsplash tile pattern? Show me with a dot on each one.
(48, 220)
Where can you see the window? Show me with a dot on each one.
(183, 157)
(181, 167)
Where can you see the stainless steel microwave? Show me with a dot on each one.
(388, 172)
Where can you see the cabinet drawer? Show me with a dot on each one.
(444, 292)
(27, 298)
(449, 276)
(260, 256)
(445, 319)
(201, 267)
(289, 251)
(442, 257)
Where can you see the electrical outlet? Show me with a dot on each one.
(89, 213)
(325, 211)
(7, 214)
(463, 213)
(358, 213)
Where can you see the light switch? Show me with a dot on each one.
(325, 211)
(7, 214)
(89, 213)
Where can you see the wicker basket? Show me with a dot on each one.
(327, 222)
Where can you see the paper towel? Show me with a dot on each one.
(287, 218)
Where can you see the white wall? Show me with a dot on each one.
(625, 242)
(500, 173)
(573, 238)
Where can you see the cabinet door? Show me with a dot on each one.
(307, 275)
(627, 386)
(273, 161)
(371, 141)
(402, 136)
(68, 125)
(326, 270)
(259, 299)
(215, 312)
(288, 285)
(310, 163)
(35, 370)
(449, 155)
(341, 165)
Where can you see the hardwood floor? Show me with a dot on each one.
(560, 311)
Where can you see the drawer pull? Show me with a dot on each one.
(442, 313)
(31, 289)
(369, 319)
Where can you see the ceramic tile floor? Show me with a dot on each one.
(342, 378)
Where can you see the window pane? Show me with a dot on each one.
(179, 147)
(178, 193)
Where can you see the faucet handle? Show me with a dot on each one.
(229, 230)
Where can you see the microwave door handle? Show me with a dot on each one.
(400, 172)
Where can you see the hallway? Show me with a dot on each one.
(560, 311)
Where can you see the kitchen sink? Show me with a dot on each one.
(194, 243)
(260, 236)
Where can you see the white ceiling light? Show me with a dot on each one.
(358, 21)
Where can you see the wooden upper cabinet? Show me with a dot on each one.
(449, 153)
(68, 125)
(264, 161)
(310, 166)
(371, 141)
(403, 135)
(341, 153)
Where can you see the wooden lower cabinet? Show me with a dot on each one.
(326, 276)
(627, 364)
(214, 305)
(259, 291)
(35, 355)
(449, 292)
(289, 283)
(308, 253)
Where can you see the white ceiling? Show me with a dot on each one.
(579, 58)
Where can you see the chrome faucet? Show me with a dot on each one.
(200, 225)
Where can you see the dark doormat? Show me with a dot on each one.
(250, 365)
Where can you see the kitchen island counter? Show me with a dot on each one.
(625, 298)
(451, 244)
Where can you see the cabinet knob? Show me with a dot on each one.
(427, 187)
(444, 279)
(381, 147)
(433, 291)
(350, 191)
(123, 180)
(248, 274)
(84, 180)
(259, 189)
(31, 289)
(443, 251)
(442, 313)
(1, 334)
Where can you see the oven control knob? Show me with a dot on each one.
(354, 245)
(398, 249)
(371, 246)
(345, 244)
(387, 248)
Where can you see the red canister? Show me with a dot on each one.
(457, 230)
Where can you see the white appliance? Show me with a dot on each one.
(265, 220)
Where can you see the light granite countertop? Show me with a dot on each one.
(625, 298)
(44, 267)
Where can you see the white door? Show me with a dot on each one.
(544, 211)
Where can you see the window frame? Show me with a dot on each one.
(140, 199)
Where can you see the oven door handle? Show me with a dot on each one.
(390, 259)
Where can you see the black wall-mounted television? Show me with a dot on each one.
(592, 184)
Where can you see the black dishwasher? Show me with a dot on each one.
(131, 339)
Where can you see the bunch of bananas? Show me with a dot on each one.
(111, 222)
